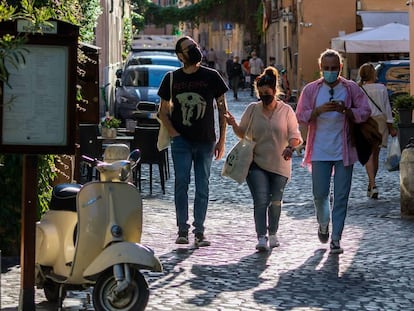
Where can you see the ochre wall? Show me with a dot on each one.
(315, 39)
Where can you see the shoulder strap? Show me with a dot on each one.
(250, 123)
(171, 94)
(171, 84)
(371, 99)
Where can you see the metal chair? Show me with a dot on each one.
(145, 139)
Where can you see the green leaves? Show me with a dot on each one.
(12, 53)
(7, 12)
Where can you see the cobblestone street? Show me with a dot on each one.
(375, 272)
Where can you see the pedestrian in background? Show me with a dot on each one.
(381, 111)
(211, 58)
(192, 130)
(285, 86)
(229, 64)
(327, 106)
(274, 128)
(246, 72)
(272, 61)
(204, 59)
(256, 68)
(235, 75)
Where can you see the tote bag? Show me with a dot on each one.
(240, 157)
(164, 138)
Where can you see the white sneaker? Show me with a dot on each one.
(262, 244)
(374, 193)
(273, 241)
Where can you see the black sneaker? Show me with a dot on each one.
(336, 247)
(200, 240)
(182, 238)
(323, 235)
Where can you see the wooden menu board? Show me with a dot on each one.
(38, 108)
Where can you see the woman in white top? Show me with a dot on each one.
(381, 112)
(275, 130)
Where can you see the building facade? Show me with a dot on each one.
(295, 32)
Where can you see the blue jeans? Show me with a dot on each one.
(267, 191)
(184, 154)
(321, 182)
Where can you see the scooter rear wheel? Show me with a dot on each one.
(135, 297)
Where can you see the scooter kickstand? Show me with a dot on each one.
(60, 299)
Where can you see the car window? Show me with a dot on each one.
(154, 61)
(155, 77)
(132, 78)
(143, 77)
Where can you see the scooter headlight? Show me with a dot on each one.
(116, 231)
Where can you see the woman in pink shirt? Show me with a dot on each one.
(275, 130)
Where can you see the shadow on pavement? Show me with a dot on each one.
(233, 277)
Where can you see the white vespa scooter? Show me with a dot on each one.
(90, 237)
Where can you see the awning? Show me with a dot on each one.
(372, 19)
(390, 38)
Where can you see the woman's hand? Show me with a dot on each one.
(287, 153)
(393, 131)
(230, 119)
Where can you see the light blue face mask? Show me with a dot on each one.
(330, 76)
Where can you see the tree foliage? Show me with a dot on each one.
(234, 11)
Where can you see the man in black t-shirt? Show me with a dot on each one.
(190, 124)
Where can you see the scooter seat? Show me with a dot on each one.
(64, 197)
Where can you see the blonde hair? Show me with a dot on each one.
(330, 53)
(366, 73)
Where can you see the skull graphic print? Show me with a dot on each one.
(193, 106)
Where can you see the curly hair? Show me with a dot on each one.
(270, 78)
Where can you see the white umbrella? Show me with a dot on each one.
(390, 38)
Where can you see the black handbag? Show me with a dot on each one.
(365, 136)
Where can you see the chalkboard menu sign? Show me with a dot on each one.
(37, 108)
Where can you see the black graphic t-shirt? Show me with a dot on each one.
(193, 98)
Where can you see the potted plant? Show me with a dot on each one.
(403, 105)
(109, 125)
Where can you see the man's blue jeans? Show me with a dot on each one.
(265, 187)
(321, 182)
(184, 154)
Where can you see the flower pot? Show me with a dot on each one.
(108, 132)
(405, 115)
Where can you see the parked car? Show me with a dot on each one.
(136, 92)
(395, 75)
(154, 58)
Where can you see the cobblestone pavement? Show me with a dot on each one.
(376, 271)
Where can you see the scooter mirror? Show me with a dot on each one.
(135, 155)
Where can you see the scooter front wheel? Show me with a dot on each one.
(135, 297)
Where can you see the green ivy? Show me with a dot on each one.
(83, 13)
(10, 203)
(127, 37)
(238, 11)
(245, 12)
(91, 11)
